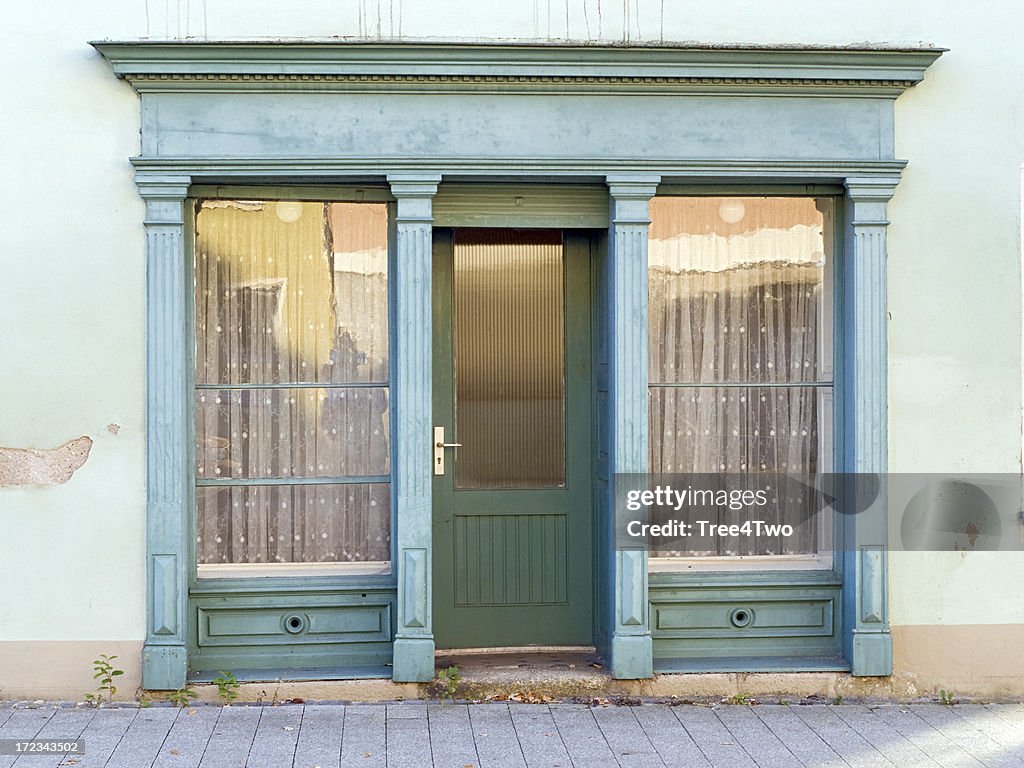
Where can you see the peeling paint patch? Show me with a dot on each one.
(113, 428)
(27, 466)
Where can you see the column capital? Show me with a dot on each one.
(414, 184)
(164, 195)
(870, 196)
(159, 186)
(632, 186)
(871, 188)
(415, 195)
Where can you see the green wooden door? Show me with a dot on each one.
(512, 516)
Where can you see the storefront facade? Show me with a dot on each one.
(516, 203)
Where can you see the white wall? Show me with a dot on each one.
(71, 256)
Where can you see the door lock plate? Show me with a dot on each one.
(439, 446)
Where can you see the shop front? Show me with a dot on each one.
(413, 308)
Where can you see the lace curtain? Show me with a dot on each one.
(291, 402)
(739, 359)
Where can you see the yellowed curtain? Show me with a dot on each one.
(739, 351)
(291, 382)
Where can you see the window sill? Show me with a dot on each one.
(302, 570)
(742, 563)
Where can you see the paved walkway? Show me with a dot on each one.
(500, 735)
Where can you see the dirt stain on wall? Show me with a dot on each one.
(28, 466)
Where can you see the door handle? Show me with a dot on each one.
(439, 446)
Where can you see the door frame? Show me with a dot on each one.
(568, 622)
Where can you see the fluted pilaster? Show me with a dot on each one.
(631, 646)
(866, 425)
(164, 654)
(412, 382)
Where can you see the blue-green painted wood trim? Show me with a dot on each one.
(276, 585)
(554, 206)
(167, 432)
(412, 352)
(629, 196)
(581, 169)
(752, 664)
(273, 675)
(735, 579)
(500, 67)
(376, 192)
(867, 641)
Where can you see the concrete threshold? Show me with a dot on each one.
(541, 675)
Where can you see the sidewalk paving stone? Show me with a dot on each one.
(894, 745)
(186, 742)
(232, 738)
(513, 735)
(364, 742)
(806, 745)
(581, 735)
(408, 737)
(103, 734)
(927, 738)
(974, 728)
(144, 738)
(497, 744)
(1003, 730)
(319, 744)
(763, 747)
(65, 725)
(674, 745)
(851, 746)
(719, 746)
(626, 737)
(538, 736)
(23, 724)
(451, 736)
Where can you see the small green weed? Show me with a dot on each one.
(227, 687)
(447, 682)
(740, 698)
(947, 698)
(105, 672)
(182, 697)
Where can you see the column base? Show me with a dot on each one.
(632, 657)
(413, 660)
(164, 667)
(871, 654)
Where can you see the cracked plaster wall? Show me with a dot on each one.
(31, 466)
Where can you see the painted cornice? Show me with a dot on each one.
(154, 66)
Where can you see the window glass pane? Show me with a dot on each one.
(735, 430)
(291, 302)
(739, 297)
(291, 292)
(509, 308)
(291, 432)
(736, 289)
(293, 524)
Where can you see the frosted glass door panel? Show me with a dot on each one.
(509, 334)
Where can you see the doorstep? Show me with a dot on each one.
(543, 674)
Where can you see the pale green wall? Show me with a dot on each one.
(71, 256)
(72, 327)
